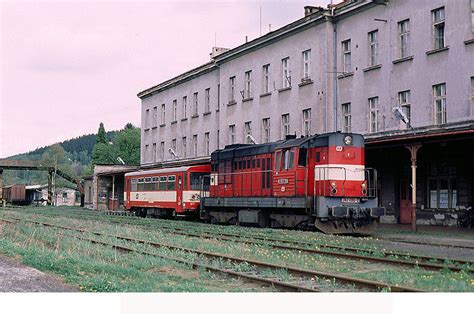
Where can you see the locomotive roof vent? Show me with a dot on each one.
(289, 137)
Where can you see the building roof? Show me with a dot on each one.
(160, 171)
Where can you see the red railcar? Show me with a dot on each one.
(15, 194)
(313, 181)
(167, 192)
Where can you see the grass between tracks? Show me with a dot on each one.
(97, 268)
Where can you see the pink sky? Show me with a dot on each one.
(68, 65)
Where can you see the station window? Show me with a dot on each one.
(134, 184)
(171, 182)
(141, 184)
(162, 182)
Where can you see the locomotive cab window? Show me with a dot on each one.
(134, 184)
(288, 160)
(162, 182)
(141, 184)
(277, 161)
(302, 157)
(171, 182)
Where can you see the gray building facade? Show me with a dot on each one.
(399, 72)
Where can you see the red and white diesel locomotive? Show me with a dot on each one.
(318, 181)
(167, 192)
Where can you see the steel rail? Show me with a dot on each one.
(299, 271)
(420, 261)
(276, 283)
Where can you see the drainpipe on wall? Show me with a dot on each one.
(334, 21)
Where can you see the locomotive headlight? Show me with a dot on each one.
(364, 185)
(348, 140)
(333, 185)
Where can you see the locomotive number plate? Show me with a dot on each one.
(350, 200)
(283, 181)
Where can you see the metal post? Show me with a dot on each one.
(413, 151)
(50, 187)
(1, 187)
(113, 192)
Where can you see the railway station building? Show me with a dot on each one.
(399, 72)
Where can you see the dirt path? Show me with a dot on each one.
(15, 277)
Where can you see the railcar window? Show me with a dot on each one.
(162, 182)
(302, 157)
(134, 184)
(198, 178)
(185, 181)
(154, 183)
(228, 171)
(258, 163)
(235, 166)
(253, 163)
(141, 184)
(277, 161)
(248, 163)
(240, 165)
(148, 183)
(171, 182)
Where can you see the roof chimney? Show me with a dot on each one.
(216, 51)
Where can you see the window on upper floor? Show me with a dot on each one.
(247, 131)
(438, 19)
(472, 96)
(405, 105)
(373, 48)
(232, 89)
(163, 114)
(147, 119)
(306, 65)
(162, 151)
(346, 56)
(373, 114)
(195, 104)
(346, 117)
(266, 79)
(285, 125)
(185, 107)
(155, 116)
(285, 72)
(265, 130)
(218, 97)
(404, 38)
(184, 150)
(146, 153)
(231, 139)
(195, 145)
(154, 152)
(439, 100)
(248, 84)
(306, 122)
(207, 100)
(175, 110)
(173, 145)
(207, 141)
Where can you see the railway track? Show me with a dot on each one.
(298, 272)
(407, 260)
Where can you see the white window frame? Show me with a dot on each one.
(185, 107)
(266, 78)
(373, 48)
(404, 101)
(346, 56)
(404, 38)
(195, 145)
(195, 104)
(247, 131)
(306, 122)
(439, 28)
(184, 147)
(285, 125)
(175, 110)
(232, 89)
(163, 114)
(306, 65)
(207, 143)
(248, 84)
(266, 130)
(373, 106)
(207, 100)
(286, 73)
(231, 134)
(346, 117)
(439, 103)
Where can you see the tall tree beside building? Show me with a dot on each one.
(125, 144)
(101, 134)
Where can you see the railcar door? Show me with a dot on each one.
(179, 193)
